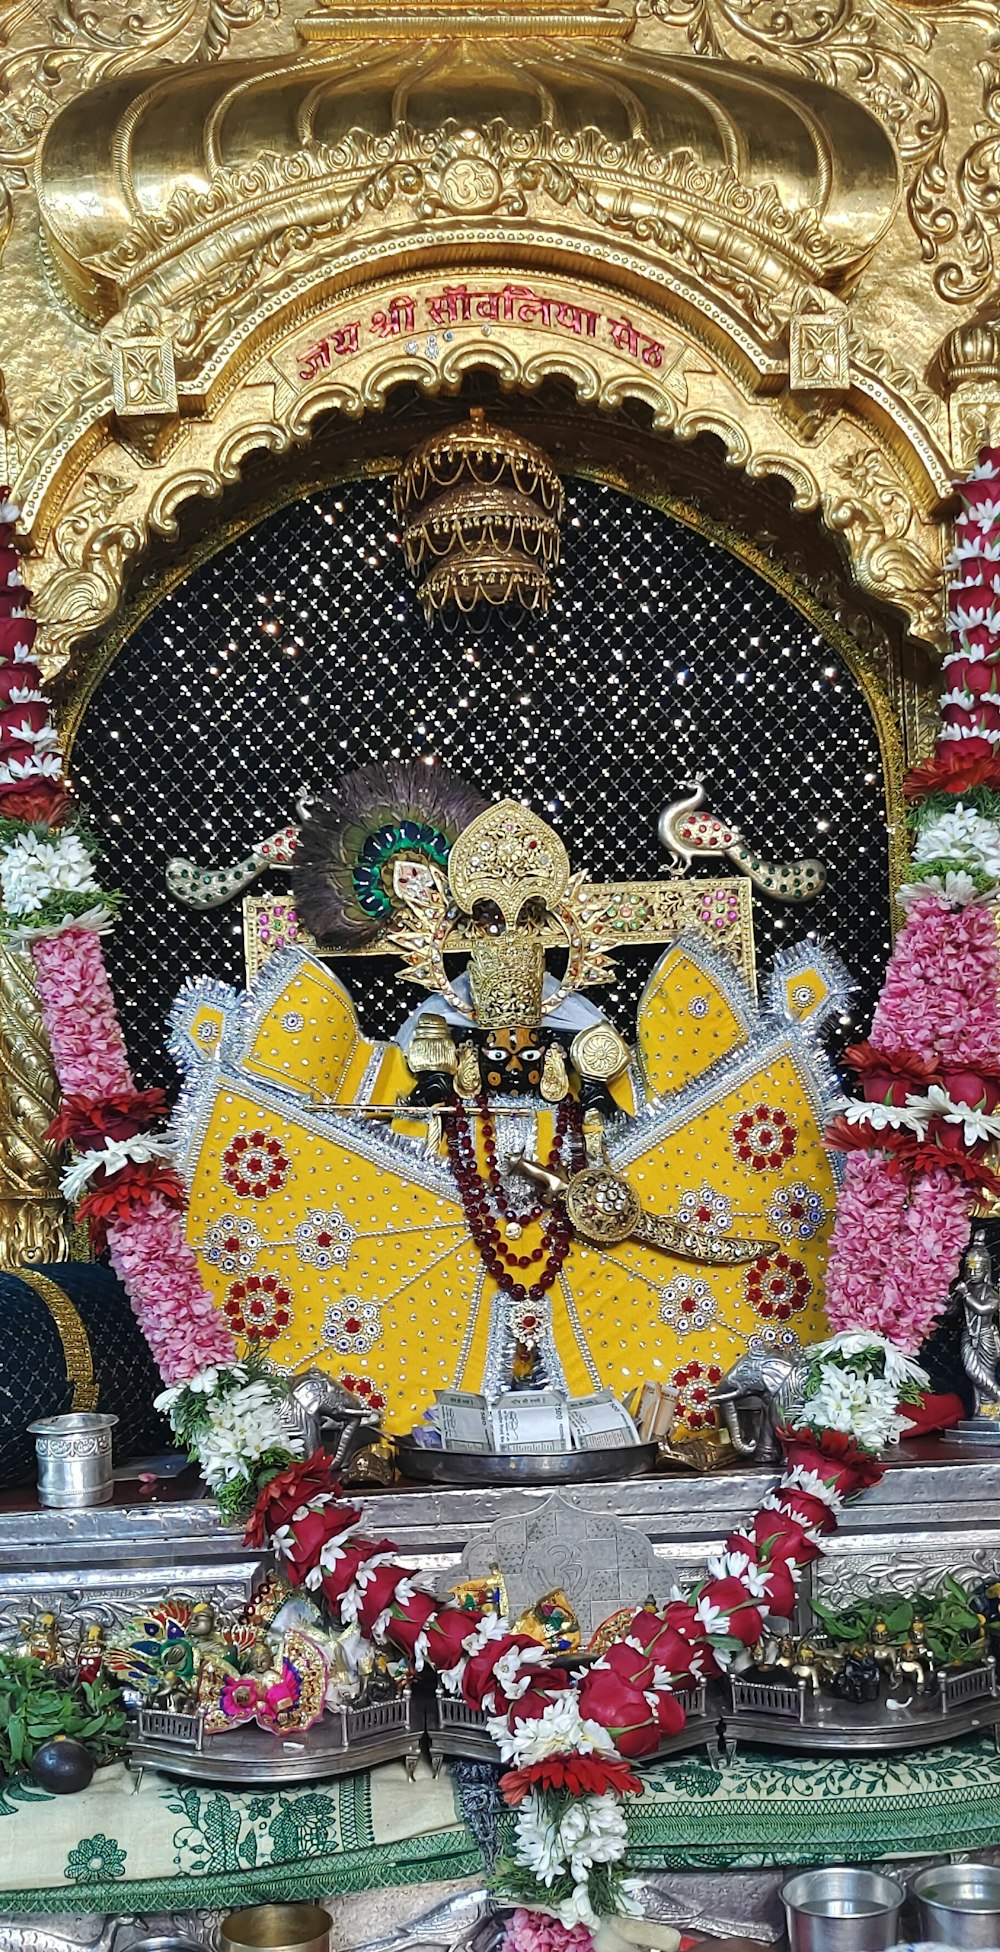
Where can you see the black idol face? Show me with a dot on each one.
(511, 1061)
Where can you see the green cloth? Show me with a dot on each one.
(766, 1808)
(175, 1846)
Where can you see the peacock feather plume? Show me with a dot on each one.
(349, 844)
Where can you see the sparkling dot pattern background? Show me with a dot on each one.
(300, 650)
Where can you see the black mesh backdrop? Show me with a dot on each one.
(300, 649)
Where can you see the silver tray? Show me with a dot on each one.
(537, 1467)
(252, 1755)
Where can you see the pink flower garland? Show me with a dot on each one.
(940, 997)
(145, 1231)
(895, 1250)
(80, 1015)
(153, 1261)
(904, 1211)
(149, 1249)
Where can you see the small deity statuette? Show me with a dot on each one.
(808, 1666)
(979, 1297)
(172, 1685)
(915, 1660)
(90, 1653)
(858, 1678)
(881, 1649)
(212, 1656)
(43, 1640)
(553, 1622)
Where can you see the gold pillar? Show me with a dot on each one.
(34, 1219)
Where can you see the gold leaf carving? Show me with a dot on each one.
(880, 56)
(33, 1218)
(876, 513)
(964, 277)
(91, 551)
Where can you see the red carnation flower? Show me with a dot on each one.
(89, 1121)
(41, 801)
(582, 1775)
(957, 765)
(292, 1487)
(111, 1202)
(889, 1078)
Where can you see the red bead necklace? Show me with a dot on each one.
(486, 1205)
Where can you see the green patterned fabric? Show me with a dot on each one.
(174, 1846)
(764, 1808)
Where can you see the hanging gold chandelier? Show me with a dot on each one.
(479, 508)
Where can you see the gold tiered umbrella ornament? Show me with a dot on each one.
(480, 509)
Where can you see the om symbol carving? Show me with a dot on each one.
(471, 183)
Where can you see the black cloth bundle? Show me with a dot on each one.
(69, 1341)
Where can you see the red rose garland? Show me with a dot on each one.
(569, 1739)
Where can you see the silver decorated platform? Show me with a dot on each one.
(935, 1511)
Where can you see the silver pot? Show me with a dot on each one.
(74, 1458)
(960, 1904)
(277, 1928)
(842, 1909)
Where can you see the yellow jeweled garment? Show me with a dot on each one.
(325, 1215)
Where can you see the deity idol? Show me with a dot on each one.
(504, 1193)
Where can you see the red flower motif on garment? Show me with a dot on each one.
(363, 1387)
(254, 1166)
(764, 1138)
(777, 1286)
(258, 1307)
(694, 1383)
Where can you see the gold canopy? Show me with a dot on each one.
(791, 183)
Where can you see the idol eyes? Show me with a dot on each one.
(527, 1056)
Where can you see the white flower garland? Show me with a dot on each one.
(33, 867)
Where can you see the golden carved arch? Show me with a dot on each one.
(439, 187)
(95, 493)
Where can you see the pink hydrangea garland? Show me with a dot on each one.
(895, 1249)
(941, 995)
(79, 1012)
(157, 1267)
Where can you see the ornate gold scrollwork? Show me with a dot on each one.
(34, 1221)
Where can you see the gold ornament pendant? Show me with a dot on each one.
(555, 1080)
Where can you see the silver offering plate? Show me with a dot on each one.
(337, 1745)
(530, 1467)
(784, 1715)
